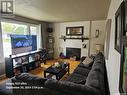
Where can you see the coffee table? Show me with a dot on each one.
(59, 72)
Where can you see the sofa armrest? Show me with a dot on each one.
(71, 88)
(30, 79)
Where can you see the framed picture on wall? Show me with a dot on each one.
(117, 29)
(122, 12)
(119, 25)
(50, 40)
(107, 41)
(74, 31)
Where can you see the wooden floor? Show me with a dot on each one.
(40, 71)
(3, 79)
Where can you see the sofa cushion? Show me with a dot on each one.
(76, 77)
(82, 71)
(4, 86)
(80, 82)
(70, 88)
(83, 66)
(30, 79)
(100, 59)
(93, 79)
(96, 75)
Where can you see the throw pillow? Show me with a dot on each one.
(87, 62)
(92, 57)
(83, 58)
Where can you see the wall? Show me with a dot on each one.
(2, 65)
(113, 63)
(100, 25)
(89, 31)
(22, 19)
(60, 45)
(44, 27)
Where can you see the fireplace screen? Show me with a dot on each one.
(73, 52)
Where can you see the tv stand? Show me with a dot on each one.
(24, 62)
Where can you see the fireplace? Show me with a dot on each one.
(73, 52)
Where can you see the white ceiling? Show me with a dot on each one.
(62, 10)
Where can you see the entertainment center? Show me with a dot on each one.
(24, 56)
(24, 62)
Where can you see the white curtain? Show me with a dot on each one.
(39, 42)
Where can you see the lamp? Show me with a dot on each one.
(99, 48)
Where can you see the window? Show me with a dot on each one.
(33, 30)
(14, 28)
(11, 28)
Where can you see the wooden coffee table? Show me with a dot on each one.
(59, 72)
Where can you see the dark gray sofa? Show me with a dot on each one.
(84, 80)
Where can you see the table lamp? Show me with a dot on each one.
(99, 48)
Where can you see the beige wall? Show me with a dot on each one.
(113, 63)
(89, 31)
(100, 25)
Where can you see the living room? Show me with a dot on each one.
(66, 34)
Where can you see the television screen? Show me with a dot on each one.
(23, 43)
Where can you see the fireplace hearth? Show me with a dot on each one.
(73, 52)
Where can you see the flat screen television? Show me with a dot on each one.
(23, 43)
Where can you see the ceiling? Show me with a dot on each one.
(63, 10)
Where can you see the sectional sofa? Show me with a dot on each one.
(85, 80)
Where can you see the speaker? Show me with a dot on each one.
(49, 29)
(9, 67)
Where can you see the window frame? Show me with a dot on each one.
(28, 29)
